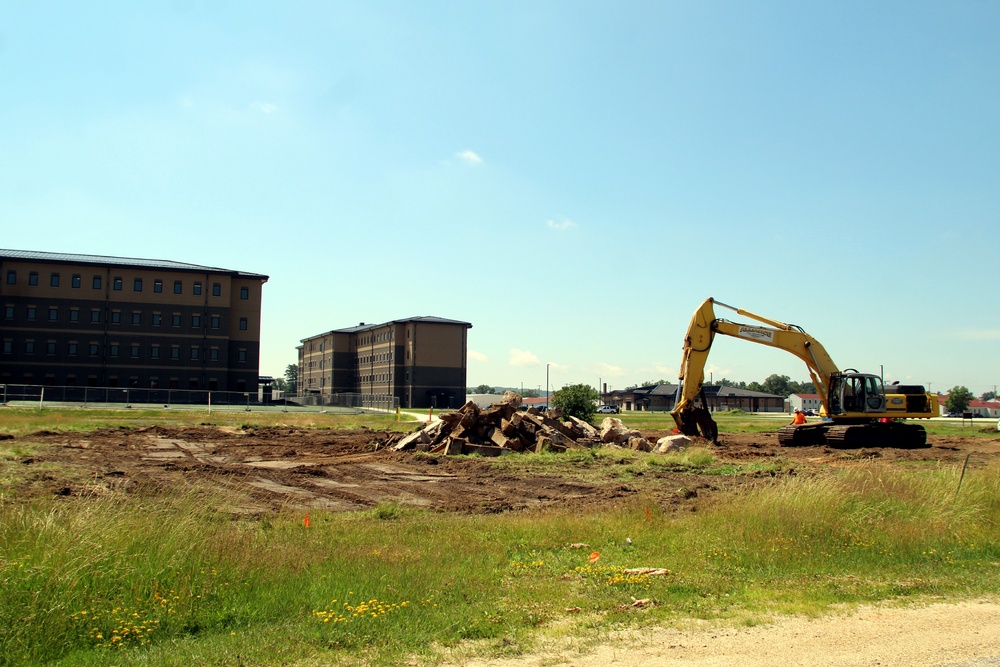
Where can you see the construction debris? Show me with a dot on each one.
(504, 428)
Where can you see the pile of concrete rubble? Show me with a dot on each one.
(504, 428)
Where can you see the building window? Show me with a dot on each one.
(178, 287)
(158, 286)
(8, 312)
(33, 278)
(157, 319)
(243, 324)
(136, 318)
(11, 277)
(53, 314)
(93, 349)
(175, 352)
(134, 351)
(29, 347)
(74, 314)
(54, 280)
(97, 282)
(197, 288)
(50, 347)
(31, 312)
(241, 356)
(213, 354)
(137, 285)
(195, 352)
(8, 347)
(113, 350)
(196, 321)
(154, 352)
(72, 349)
(116, 317)
(76, 281)
(216, 289)
(193, 383)
(244, 294)
(216, 321)
(116, 284)
(95, 316)
(175, 320)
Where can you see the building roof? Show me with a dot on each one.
(425, 319)
(130, 262)
(710, 390)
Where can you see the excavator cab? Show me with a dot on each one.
(851, 391)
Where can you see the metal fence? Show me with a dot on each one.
(190, 399)
(382, 402)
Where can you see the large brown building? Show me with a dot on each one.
(421, 361)
(93, 321)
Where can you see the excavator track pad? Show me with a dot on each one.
(896, 435)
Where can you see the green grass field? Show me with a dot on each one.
(148, 579)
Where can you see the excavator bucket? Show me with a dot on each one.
(695, 421)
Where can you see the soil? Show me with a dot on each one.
(291, 468)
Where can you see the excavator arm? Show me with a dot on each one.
(701, 333)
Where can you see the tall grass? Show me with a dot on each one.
(146, 579)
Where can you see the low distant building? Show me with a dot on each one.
(804, 402)
(421, 361)
(660, 397)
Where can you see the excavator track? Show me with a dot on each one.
(890, 434)
(802, 435)
(854, 436)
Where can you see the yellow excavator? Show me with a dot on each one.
(857, 410)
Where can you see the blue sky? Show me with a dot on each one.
(573, 178)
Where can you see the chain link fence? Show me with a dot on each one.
(189, 399)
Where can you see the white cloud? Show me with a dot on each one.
(469, 157)
(264, 107)
(610, 371)
(477, 356)
(522, 358)
(561, 226)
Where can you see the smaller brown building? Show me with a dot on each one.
(420, 361)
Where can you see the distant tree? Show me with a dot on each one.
(484, 389)
(779, 385)
(279, 384)
(292, 377)
(806, 387)
(725, 382)
(754, 386)
(577, 400)
(647, 383)
(958, 399)
(988, 396)
(530, 393)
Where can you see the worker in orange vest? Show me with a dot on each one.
(799, 417)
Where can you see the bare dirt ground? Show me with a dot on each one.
(274, 469)
(270, 469)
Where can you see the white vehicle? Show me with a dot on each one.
(607, 409)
